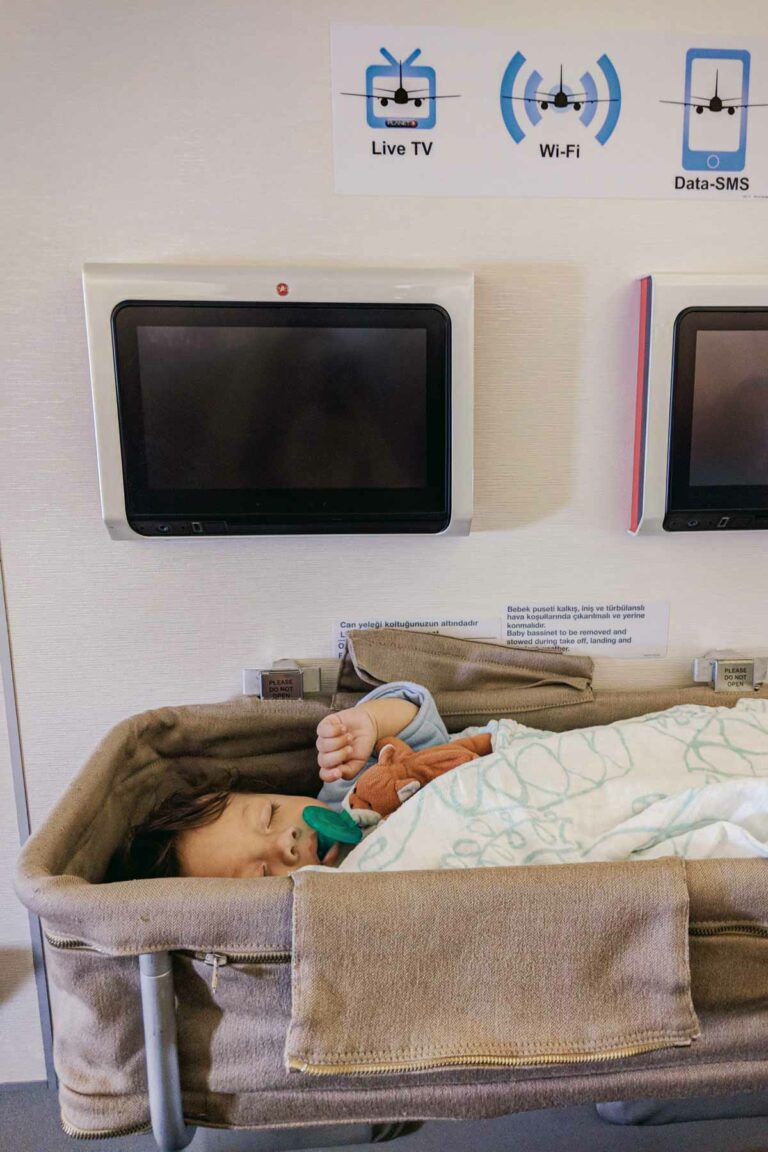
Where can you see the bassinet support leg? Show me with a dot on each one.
(158, 1005)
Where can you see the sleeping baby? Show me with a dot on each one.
(691, 781)
(218, 825)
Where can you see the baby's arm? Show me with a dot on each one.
(345, 739)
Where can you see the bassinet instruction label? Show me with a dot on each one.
(631, 628)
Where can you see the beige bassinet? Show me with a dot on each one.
(319, 999)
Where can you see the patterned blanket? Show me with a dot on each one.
(691, 781)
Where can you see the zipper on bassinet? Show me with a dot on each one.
(480, 1061)
(733, 929)
(217, 960)
(75, 1133)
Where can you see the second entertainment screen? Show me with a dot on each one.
(729, 434)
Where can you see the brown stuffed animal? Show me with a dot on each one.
(400, 772)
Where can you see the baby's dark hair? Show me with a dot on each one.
(185, 800)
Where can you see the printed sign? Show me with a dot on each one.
(504, 112)
(629, 628)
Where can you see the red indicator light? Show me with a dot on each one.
(282, 289)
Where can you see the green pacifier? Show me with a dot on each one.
(331, 827)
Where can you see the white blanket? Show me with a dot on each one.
(691, 781)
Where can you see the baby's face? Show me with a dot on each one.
(257, 834)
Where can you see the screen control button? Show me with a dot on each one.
(711, 521)
(688, 522)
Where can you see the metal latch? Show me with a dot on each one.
(730, 671)
(285, 680)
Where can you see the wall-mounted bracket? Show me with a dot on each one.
(285, 680)
(730, 672)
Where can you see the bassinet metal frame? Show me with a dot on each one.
(158, 1007)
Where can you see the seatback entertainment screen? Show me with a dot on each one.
(718, 459)
(729, 435)
(297, 417)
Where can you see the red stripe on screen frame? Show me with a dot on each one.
(643, 343)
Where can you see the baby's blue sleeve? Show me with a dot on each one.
(427, 728)
(424, 731)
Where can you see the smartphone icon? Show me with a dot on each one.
(716, 101)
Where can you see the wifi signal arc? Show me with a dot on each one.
(535, 98)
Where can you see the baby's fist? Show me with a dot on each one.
(344, 743)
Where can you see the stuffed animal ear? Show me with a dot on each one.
(387, 755)
(406, 789)
(397, 748)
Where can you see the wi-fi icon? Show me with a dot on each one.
(538, 97)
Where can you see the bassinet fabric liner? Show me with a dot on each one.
(232, 1044)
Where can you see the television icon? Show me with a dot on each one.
(400, 94)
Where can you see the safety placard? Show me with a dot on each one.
(630, 628)
(506, 112)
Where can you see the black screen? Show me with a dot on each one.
(284, 417)
(729, 434)
(283, 408)
(718, 449)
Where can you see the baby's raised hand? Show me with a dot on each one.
(344, 743)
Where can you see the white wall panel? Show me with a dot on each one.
(190, 131)
(21, 1044)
